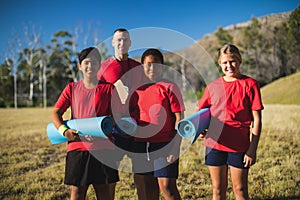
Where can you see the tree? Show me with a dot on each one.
(6, 84)
(293, 37)
(254, 48)
(62, 58)
(66, 49)
(61, 62)
(280, 53)
(47, 68)
(12, 61)
(42, 62)
(223, 36)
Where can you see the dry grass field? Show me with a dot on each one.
(32, 168)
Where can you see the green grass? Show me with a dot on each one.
(32, 168)
(285, 90)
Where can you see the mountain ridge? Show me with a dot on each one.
(201, 57)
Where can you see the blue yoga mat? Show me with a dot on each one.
(96, 126)
(195, 124)
(126, 125)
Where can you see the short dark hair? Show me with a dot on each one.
(154, 52)
(121, 30)
(88, 52)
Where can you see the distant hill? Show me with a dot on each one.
(269, 60)
(268, 22)
(285, 90)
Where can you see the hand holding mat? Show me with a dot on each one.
(194, 125)
(96, 126)
(126, 125)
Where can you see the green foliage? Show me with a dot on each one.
(294, 31)
(62, 33)
(6, 85)
(223, 37)
(251, 35)
(269, 50)
(192, 96)
(200, 93)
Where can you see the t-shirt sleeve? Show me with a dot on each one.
(133, 105)
(176, 100)
(255, 97)
(204, 101)
(64, 100)
(109, 71)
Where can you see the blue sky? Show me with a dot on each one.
(193, 18)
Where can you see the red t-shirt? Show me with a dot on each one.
(112, 70)
(155, 104)
(231, 105)
(87, 103)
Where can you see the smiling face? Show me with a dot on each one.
(230, 59)
(152, 68)
(89, 67)
(230, 66)
(121, 42)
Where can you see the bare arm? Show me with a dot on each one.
(58, 121)
(176, 140)
(178, 116)
(57, 117)
(250, 157)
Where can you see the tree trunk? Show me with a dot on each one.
(15, 91)
(44, 85)
(182, 69)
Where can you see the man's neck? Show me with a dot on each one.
(121, 57)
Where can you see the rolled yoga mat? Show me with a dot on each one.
(96, 126)
(126, 125)
(195, 124)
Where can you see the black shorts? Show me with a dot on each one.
(152, 160)
(83, 169)
(124, 146)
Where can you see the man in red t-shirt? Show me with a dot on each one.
(125, 73)
(117, 67)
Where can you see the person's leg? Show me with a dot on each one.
(239, 175)
(219, 180)
(105, 191)
(146, 186)
(167, 174)
(169, 189)
(239, 179)
(78, 193)
(74, 170)
(102, 177)
(218, 168)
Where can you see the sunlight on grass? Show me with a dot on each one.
(33, 168)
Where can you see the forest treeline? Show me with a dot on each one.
(36, 75)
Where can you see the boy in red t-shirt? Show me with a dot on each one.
(87, 98)
(157, 106)
(235, 103)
